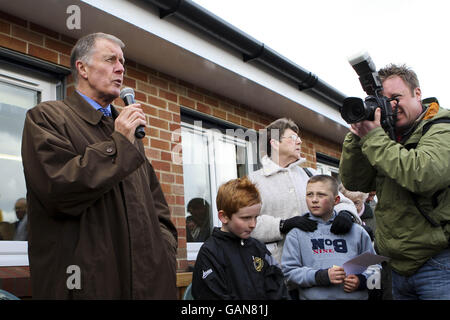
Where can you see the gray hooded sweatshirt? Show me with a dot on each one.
(304, 253)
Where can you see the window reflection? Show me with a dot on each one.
(14, 102)
(210, 158)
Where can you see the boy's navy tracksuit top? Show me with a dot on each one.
(232, 268)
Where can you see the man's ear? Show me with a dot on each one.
(337, 199)
(223, 217)
(81, 68)
(418, 94)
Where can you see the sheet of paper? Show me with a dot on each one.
(360, 263)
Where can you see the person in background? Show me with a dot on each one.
(364, 210)
(199, 220)
(21, 226)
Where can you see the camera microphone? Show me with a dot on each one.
(127, 95)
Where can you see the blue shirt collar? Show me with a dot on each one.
(93, 103)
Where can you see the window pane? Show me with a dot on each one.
(14, 102)
(197, 184)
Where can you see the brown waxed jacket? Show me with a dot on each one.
(94, 202)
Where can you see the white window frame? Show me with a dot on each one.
(15, 253)
(212, 135)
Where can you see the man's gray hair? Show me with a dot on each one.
(83, 49)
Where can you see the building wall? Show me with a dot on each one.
(161, 97)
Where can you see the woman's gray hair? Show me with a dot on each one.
(84, 47)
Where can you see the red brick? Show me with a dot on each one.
(159, 144)
(153, 154)
(167, 156)
(174, 126)
(27, 35)
(168, 177)
(136, 74)
(163, 124)
(149, 110)
(157, 102)
(140, 97)
(58, 46)
(219, 114)
(163, 166)
(64, 60)
(211, 101)
(42, 53)
(174, 108)
(203, 108)
(147, 88)
(233, 118)
(165, 115)
(168, 136)
(168, 95)
(128, 82)
(195, 95)
(158, 82)
(13, 44)
(187, 102)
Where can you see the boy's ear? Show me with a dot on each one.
(223, 217)
(337, 199)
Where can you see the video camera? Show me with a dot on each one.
(355, 109)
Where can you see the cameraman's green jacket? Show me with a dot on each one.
(376, 162)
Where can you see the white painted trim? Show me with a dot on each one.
(13, 253)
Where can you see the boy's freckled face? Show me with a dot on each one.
(320, 199)
(242, 222)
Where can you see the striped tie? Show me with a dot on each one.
(106, 112)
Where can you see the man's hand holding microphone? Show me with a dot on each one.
(131, 121)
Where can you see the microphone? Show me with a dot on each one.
(127, 95)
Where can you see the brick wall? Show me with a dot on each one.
(161, 97)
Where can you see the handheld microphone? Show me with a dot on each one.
(127, 95)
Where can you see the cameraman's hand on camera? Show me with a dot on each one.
(364, 127)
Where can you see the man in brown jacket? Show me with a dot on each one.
(100, 226)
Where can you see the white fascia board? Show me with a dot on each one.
(145, 16)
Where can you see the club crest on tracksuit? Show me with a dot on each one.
(258, 263)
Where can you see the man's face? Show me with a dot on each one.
(320, 199)
(409, 104)
(242, 222)
(290, 145)
(104, 70)
(20, 208)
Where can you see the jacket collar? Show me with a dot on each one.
(227, 236)
(82, 108)
(270, 167)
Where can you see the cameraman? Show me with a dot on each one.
(411, 177)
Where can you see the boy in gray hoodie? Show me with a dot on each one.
(313, 260)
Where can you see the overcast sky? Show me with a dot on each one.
(320, 35)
